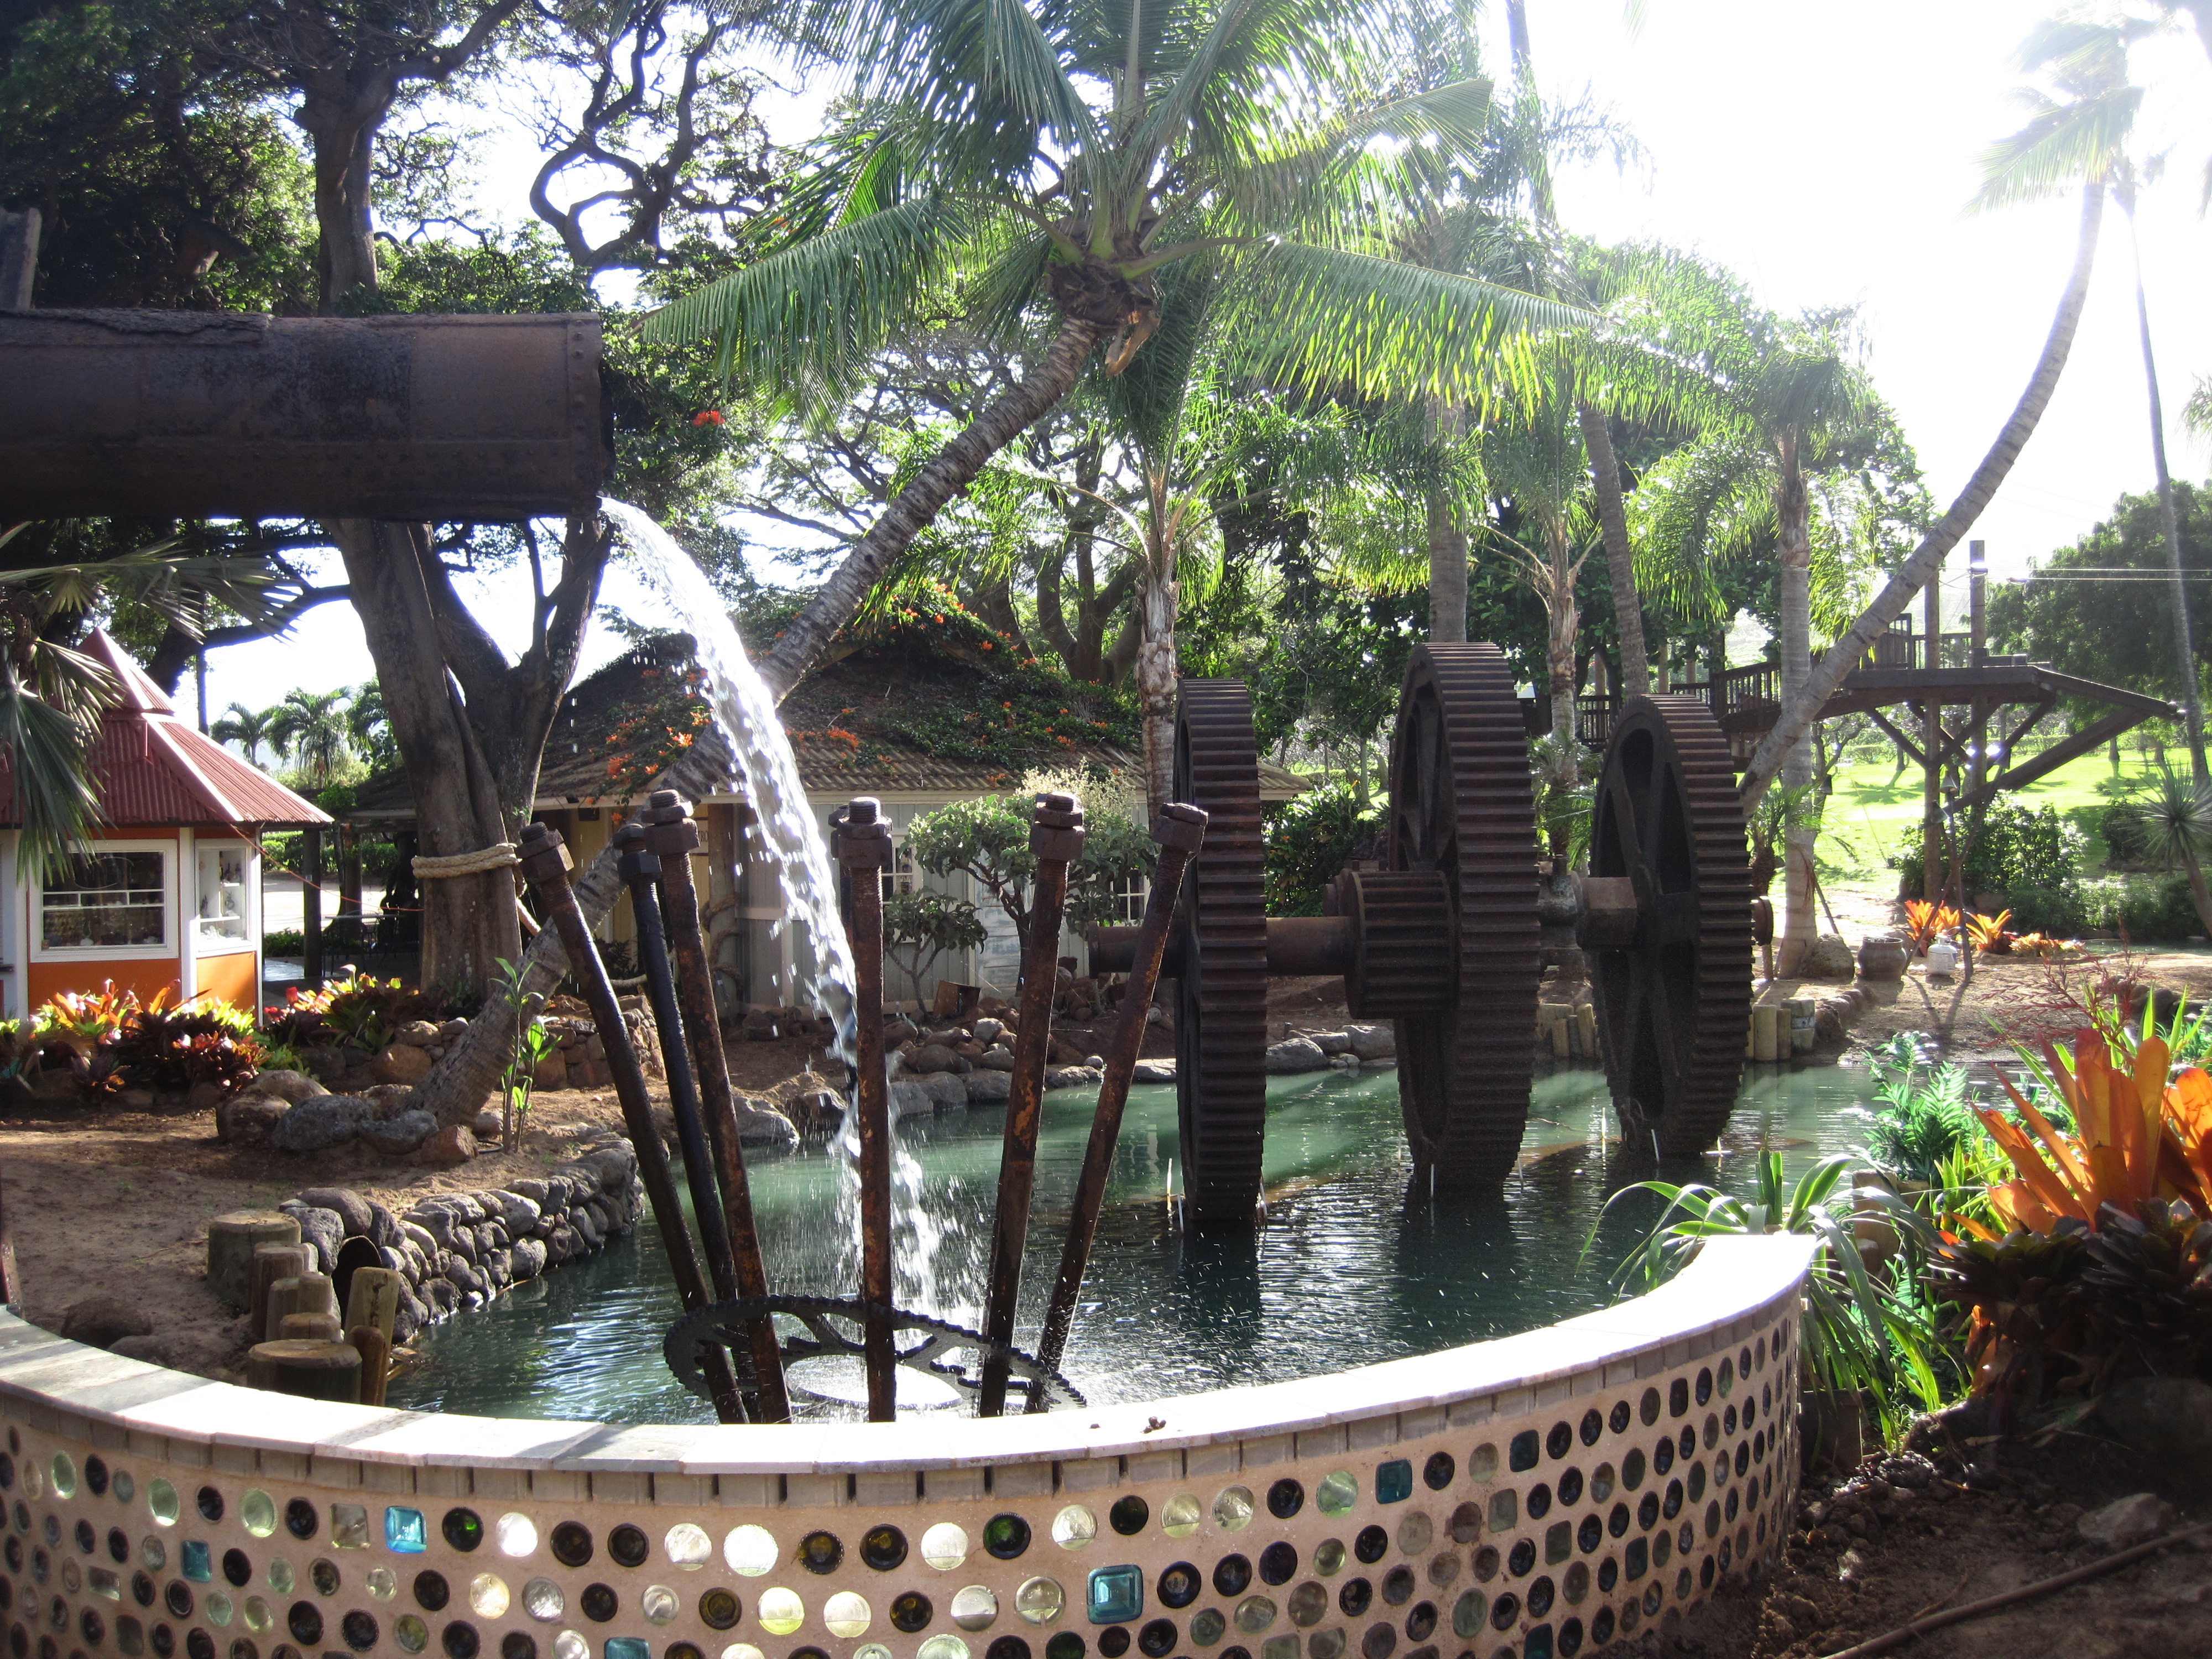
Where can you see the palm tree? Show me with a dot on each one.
(248, 729)
(2075, 141)
(310, 726)
(1070, 156)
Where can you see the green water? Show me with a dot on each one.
(1350, 1268)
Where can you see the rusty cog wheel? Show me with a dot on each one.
(1221, 1009)
(1461, 805)
(1674, 1007)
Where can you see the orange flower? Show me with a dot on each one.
(708, 417)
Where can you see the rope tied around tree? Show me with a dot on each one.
(498, 856)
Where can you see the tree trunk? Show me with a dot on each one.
(1565, 618)
(2198, 894)
(468, 922)
(1798, 713)
(342, 121)
(1447, 573)
(1157, 665)
(1792, 512)
(1621, 563)
(946, 474)
(2184, 640)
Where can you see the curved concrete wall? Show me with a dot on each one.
(1541, 1495)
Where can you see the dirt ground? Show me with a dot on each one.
(1971, 1532)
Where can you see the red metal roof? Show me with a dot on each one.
(152, 768)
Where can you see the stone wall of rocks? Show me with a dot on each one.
(460, 1250)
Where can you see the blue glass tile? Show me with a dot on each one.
(1116, 1595)
(629, 1647)
(1637, 1559)
(192, 1561)
(1538, 1645)
(403, 1532)
(1394, 1480)
(1523, 1453)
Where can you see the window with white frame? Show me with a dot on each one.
(901, 874)
(1129, 901)
(107, 900)
(221, 918)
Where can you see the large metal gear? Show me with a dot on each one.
(1461, 806)
(1221, 947)
(1674, 993)
(724, 1325)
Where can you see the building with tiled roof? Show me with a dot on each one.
(918, 723)
(168, 895)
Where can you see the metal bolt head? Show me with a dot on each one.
(1180, 825)
(859, 838)
(664, 806)
(544, 856)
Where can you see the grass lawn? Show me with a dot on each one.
(1868, 819)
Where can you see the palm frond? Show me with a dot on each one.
(56, 803)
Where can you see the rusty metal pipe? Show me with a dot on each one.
(1302, 945)
(863, 845)
(191, 414)
(1056, 839)
(1179, 829)
(546, 866)
(673, 837)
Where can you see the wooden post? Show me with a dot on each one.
(373, 1298)
(271, 1262)
(19, 258)
(309, 1293)
(1931, 739)
(724, 916)
(232, 1240)
(863, 844)
(311, 907)
(374, 1348)
(307, 1327)
(312, 1370)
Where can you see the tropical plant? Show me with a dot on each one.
(921, 926)
(979, 161)
(2173, 826)
(1925, 1119)
(1860, 1333)
(1310, 837)
(174, 1049)
(1926, 921)
(310, 727)
(531, 1044)
(248, 728)
(1988, 934)
(988, 839)
(82, 1019)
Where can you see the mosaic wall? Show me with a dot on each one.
(1514, 1524)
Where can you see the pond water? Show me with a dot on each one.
(1350, 1268)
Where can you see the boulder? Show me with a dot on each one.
(246, 1120)
(1333, 1042)
(102, 1322)
(401, 1063)
(759, 1124)
(1346, 1062)
(945, 1088)
(390, 1099)
(1295, 1054)
(395, 1137)
(1372, 1042)
(986, 1030)
(1073, 1077)
(383, 1226)
(527, 1258)
(1827, 958)
(153, 1349)
(2128, 1522)
(447, 1147)
(997, 1059)
(908, 1097)
(987, 1088)
(931, 1057)
(326, 1060)
(354, 1212)
(2168, 1419)
(1153, 1071)
(321, 1230)
(490, 1126)
(896, 1031)
(418, 1034)
(290, 1087)
(206, 1095)
(817, 1111)
(324, 1121)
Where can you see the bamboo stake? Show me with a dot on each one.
(863, 843)
(1179, 829)
(673, 836)
(1056, 841)
(545, 865)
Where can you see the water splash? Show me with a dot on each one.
(746, 714)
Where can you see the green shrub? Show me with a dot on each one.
(2127, 843)
(1310, 838)
(284, 942)
(2143, 907)
(2061, 912)
(2017, 848)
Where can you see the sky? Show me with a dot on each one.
(1825, 153)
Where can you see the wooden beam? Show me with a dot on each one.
(1897, 737)
(2052, 758)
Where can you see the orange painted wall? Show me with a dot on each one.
(231, 978)
(144, 974)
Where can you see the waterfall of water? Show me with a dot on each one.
(792, 839)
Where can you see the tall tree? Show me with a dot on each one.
(1259, 135)
(309, 728)
(249, 728)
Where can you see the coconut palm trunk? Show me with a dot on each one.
(2184, 652)
(1157, 670)
(1447, 571)
(1792, 512)
(1799, 712)
(1620, 562)
(1565, 618)
(952, 470)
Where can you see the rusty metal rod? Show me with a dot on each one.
(1056, 840)
(545, 866)
(673, 836)
(641, 870)
(863, 843)
(1179, 829)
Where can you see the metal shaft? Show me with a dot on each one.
(545, 864)
(1179, 829)
(863, 847)
(1056, 839)
(672, 834)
